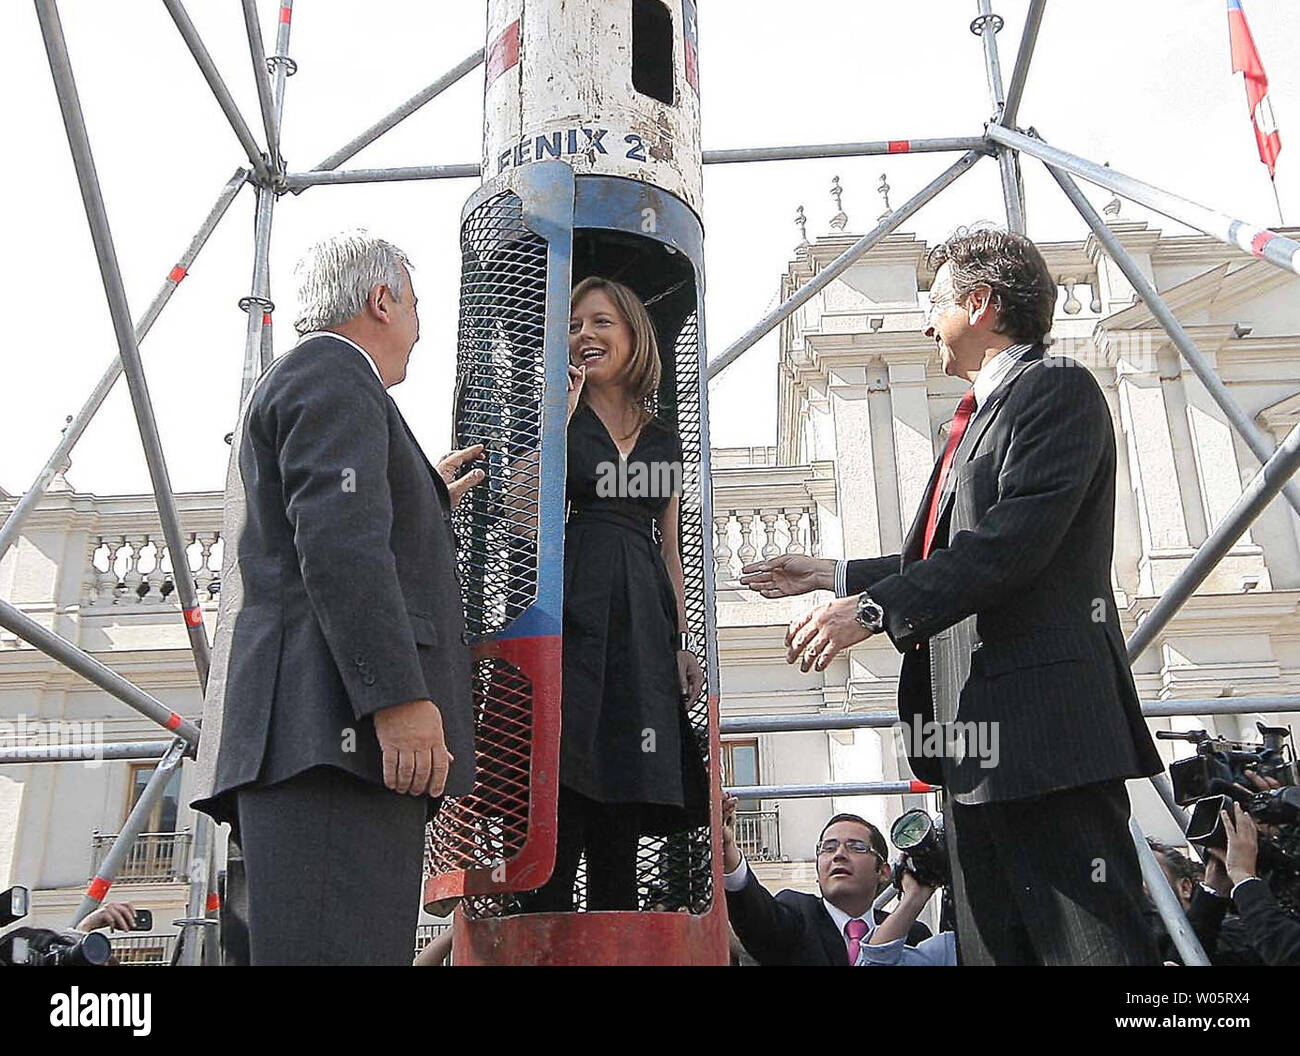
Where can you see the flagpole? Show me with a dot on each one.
(1280, 221)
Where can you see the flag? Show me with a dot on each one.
(1245, 58)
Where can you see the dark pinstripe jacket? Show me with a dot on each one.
(339, 594)
(1012, 618)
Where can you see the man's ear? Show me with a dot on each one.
(886, 871)
(983, 309)
(377, 304)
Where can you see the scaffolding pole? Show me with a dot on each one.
(1257, 241)
(986, 27)
(262, 78)
(67, 654)
(13, 523)
(841, 788)
(70, 753)
(1025, 54)
(1166, 901)
(131, 828)
(298, 181)
(404, 111)
(840, 264)
(1151, 709)
(226, 101)
(955, 144)
(66, 89)
(1255, 437)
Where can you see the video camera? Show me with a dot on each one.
(925, 849)
(1218, 776)
(45, 947)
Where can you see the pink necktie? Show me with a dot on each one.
(855, 930)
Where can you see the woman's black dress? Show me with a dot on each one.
(625, 737)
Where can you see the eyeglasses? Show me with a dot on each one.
(937, 304)
(856, 846)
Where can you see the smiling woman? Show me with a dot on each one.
(628, 765)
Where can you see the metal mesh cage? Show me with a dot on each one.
(489, 825)
(499, 383)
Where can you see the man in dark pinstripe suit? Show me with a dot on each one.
(1001, 605)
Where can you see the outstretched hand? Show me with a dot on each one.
(789, 574)
(451, 465)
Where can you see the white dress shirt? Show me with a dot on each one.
(370, 360)
(990, 376)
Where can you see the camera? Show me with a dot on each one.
(45, 947)
(925, 850)
(1218, 776)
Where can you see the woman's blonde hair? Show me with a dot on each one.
(643, 368)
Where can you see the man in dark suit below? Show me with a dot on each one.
(338, 708)
(793, 928)
(1002, 607)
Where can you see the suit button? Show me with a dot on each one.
(368, 679)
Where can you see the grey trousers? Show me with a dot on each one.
(1049, 880)
(331, 872)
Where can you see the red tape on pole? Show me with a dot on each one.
(176, 274)
(900, 146)
(214, 902)
(1261, 240)
(286, 13)
(98, 888)
(194, 616)
(173, 721)
(266, 318)
(919, 786)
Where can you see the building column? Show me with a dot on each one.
(913, 437)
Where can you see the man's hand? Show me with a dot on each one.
(1216, 873)
(416, 759)
(450, 466)
(781, 577)
(824, 633)
(120, 916)
(690, 675)
(730, 852)
(1243, 844)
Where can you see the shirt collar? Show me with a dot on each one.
(994, 372)
(840, 919)
(347, 341)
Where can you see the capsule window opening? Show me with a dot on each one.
(652, 50)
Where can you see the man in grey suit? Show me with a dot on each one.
(338, 711)
(1002, 607)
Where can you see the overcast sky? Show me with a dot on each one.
(1147, 86)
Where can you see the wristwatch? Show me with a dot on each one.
(688, 641)
(870, 615)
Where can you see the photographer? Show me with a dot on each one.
(792, 928)
(886, 945)
(1273, 932)
(1203, 893)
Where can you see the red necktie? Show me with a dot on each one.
(855, 930)
(955, 432)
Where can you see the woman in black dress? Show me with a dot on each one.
(628, 762)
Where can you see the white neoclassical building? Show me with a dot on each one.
(862, 413)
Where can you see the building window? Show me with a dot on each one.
(740, 767)
(652, 50)
(163, 816)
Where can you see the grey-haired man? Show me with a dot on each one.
(338, 710)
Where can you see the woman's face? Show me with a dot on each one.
(600, 339)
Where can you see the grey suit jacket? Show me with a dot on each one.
(1012, 620)
(339, 593)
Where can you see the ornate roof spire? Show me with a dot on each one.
(839, 221)
(801, 222)
(883, 189)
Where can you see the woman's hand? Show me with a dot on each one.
(690, 674)
(577, 375)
